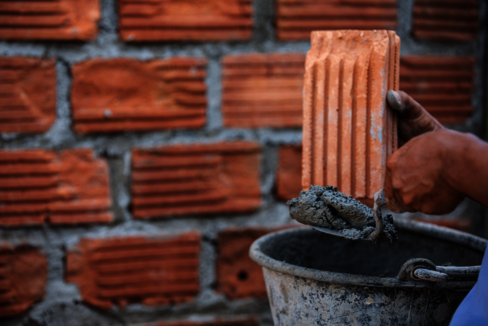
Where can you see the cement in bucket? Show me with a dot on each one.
(317, 279)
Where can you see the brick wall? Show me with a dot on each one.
(145, 145)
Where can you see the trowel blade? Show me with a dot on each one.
(347, 235)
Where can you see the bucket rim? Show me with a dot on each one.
(471, 241)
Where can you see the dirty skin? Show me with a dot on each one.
(329, 208)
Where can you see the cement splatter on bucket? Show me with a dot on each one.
(313, 278)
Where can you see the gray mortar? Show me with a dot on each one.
(328, 208)
(62, 299)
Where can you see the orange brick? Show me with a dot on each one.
(443, 85)
(453, 20)
(215, 322)
(263, 90)
(196, 179)
(296, 19)
(62, 188)
(27, 94)
(153, 270)
(174, 20)
(348, 130)
(49, 19)
(237, 275)
(289, 174)
(107, 95)
(23, 274)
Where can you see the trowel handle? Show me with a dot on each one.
(379, 201)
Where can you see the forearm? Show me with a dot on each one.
(468, 167)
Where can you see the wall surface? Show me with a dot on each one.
(142, 152)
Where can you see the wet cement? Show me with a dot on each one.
(328, 208)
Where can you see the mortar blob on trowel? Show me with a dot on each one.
(330, 211)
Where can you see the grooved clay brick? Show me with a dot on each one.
(348, 130)
(454, 20)
(296, 19)
(196, 179)
(176, 20)
(27, 94)
(23, 274)
(62, 188)
(215, 322)
(49, 19)
(263, 90)
(153, 270)
(443, 85)
(127, 94)
(289, 174)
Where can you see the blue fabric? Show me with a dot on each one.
(473, 311)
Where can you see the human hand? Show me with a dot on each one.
(423, 175)
(413, 120)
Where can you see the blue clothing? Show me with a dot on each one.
(473, 311)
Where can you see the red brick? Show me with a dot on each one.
(443, 85)
(451, 20)
(27, 94)
(215, 322)
(289, 174)
(63, 188)
(173, 20)
(263, 90)
(23, 274)
(296, 19)
(49, 19)
(153, 270)
(107, 95)
(196, 179)
(348, 132)
(459, 224)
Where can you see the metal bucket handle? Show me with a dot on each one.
(421, 269)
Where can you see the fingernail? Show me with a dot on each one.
(394, 100)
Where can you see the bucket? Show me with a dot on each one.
(314, 278)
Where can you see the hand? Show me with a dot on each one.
(413, 120)
(425, 174)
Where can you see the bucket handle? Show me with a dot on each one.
(421, 269)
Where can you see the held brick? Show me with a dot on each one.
(289, 174)
(175, 20)
(63, 188)
(196, 179)
(449, 20)
(443, 85)
(263, 90)
(23, 274)
(49, 19)
(347, 139)
(107, 95)
(295, 20)
(27, 94)
(252, 321)
(153, 270)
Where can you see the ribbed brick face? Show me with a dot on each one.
(49, 19)
(63, 188)
(237, 275)
(214, 322)
(23, 275)
(347, 139)
(27, 94)
(107, 95)
(262, 90)
(196, 179)
(443, 85)
(296, 19)
(450, 20)
(175, 20)
(153, 270)
(289, 173)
